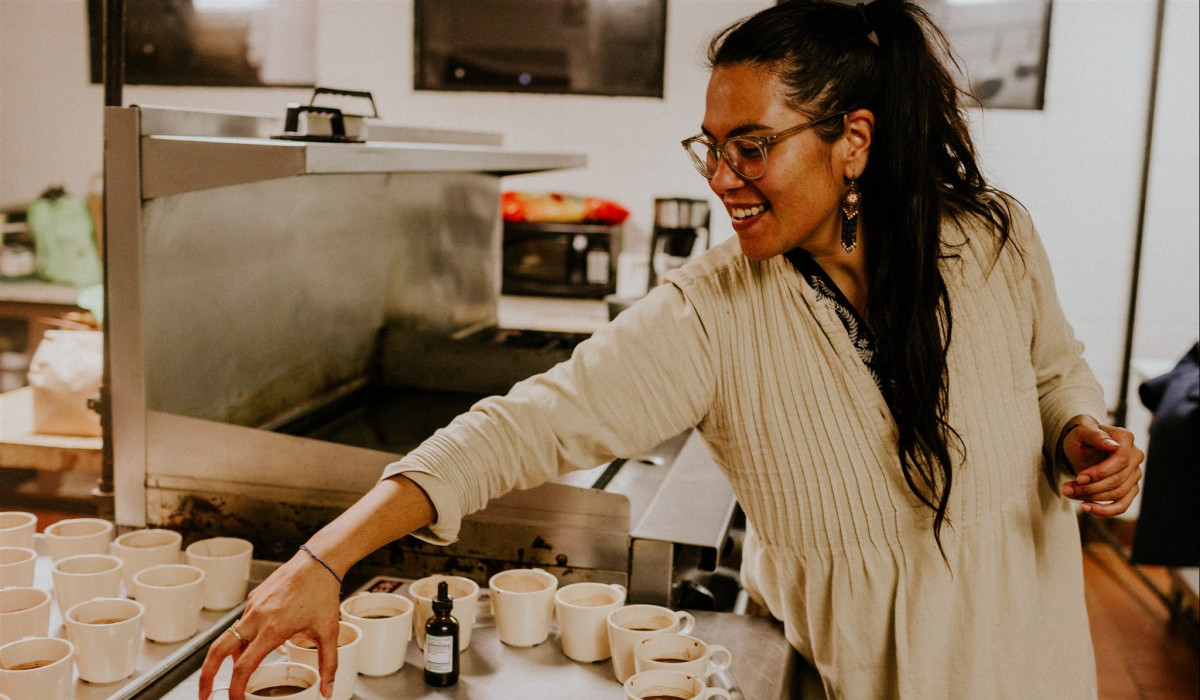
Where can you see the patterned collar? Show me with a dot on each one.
(860, 334)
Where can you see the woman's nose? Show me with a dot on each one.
(725, 178)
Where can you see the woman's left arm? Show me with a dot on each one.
(1106, 464)
(1101, 462)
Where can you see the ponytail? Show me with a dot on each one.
(889, 58)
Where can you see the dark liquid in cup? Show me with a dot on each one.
(279, 691)
(660, 696)
(30, 665)
(108, 620)
(671, 660)
(378, 615)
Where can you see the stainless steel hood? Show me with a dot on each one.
(255, 285)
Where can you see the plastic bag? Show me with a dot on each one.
(554, 207)
(64, 239)
(64, 373)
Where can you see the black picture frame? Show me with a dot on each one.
(581, 47)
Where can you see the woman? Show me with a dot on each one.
(877, 361)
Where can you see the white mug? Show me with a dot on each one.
(83, 577)
(17, 565)
(226, 564)
(680, 652)
(386, 623)
(349, 643)
(173, 595)
(17, 528)
(24, 612)
(37, 668)
(463, 591)
(107, 634)
(582, 609)
(281, 673)
(523, 604)
(141, 549)
(632, 623)
(671, 684)
(72, 536)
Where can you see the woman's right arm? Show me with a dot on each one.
(301, 597)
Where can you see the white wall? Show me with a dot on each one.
(1076, 164)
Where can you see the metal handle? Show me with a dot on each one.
(364, 94)
(291, 122)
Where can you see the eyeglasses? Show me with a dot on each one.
(746, 155)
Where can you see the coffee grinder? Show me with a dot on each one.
(680, 233)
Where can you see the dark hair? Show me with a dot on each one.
(887, 57)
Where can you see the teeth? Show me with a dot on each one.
(740, 213)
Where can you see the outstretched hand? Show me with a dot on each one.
(1106, 463)
(299, 599)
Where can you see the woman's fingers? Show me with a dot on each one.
(225, 645)
(1108, 510)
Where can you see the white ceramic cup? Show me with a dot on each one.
(280, 673)
(173, 595)
(17, 565)
(141, 549)
(463, 591)
(632, 623)
(302, 651)
(671, 684)
(680, 652)
(386, 623)
(17, 528)
(107, 634)
(582, 610)
(72, 536)
(24, 612)
(37, 668)
(83, 577)
(226, 564)
(523, 604)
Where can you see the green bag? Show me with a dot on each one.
(64, 239)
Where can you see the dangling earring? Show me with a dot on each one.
(851, 203)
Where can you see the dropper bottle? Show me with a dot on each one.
(441, 641)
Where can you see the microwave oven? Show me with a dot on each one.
(561, 260)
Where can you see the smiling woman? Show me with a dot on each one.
(878, 363)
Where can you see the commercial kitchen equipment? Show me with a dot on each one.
(287, 317)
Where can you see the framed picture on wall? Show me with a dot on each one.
(1001, 46)
(222, 43)
(582, 47)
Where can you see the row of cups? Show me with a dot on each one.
(594, 622)
(649, 645)
(105, 629)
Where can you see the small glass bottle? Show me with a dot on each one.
(441, 641)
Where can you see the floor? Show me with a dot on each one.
(1140, 653)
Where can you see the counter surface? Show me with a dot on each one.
(764, 667)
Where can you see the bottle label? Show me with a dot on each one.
(439, 653)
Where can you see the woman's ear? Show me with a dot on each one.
(860, 127)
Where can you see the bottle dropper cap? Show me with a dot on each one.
(442, 603)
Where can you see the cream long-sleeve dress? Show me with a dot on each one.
(841, 551)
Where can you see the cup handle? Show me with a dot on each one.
(719, 658)
(714, 692)
(686, 621)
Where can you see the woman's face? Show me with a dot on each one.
(797, 202)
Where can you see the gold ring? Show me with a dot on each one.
(234, 632)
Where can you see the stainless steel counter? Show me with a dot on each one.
(764, 667)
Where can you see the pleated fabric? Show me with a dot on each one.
(839, 548)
